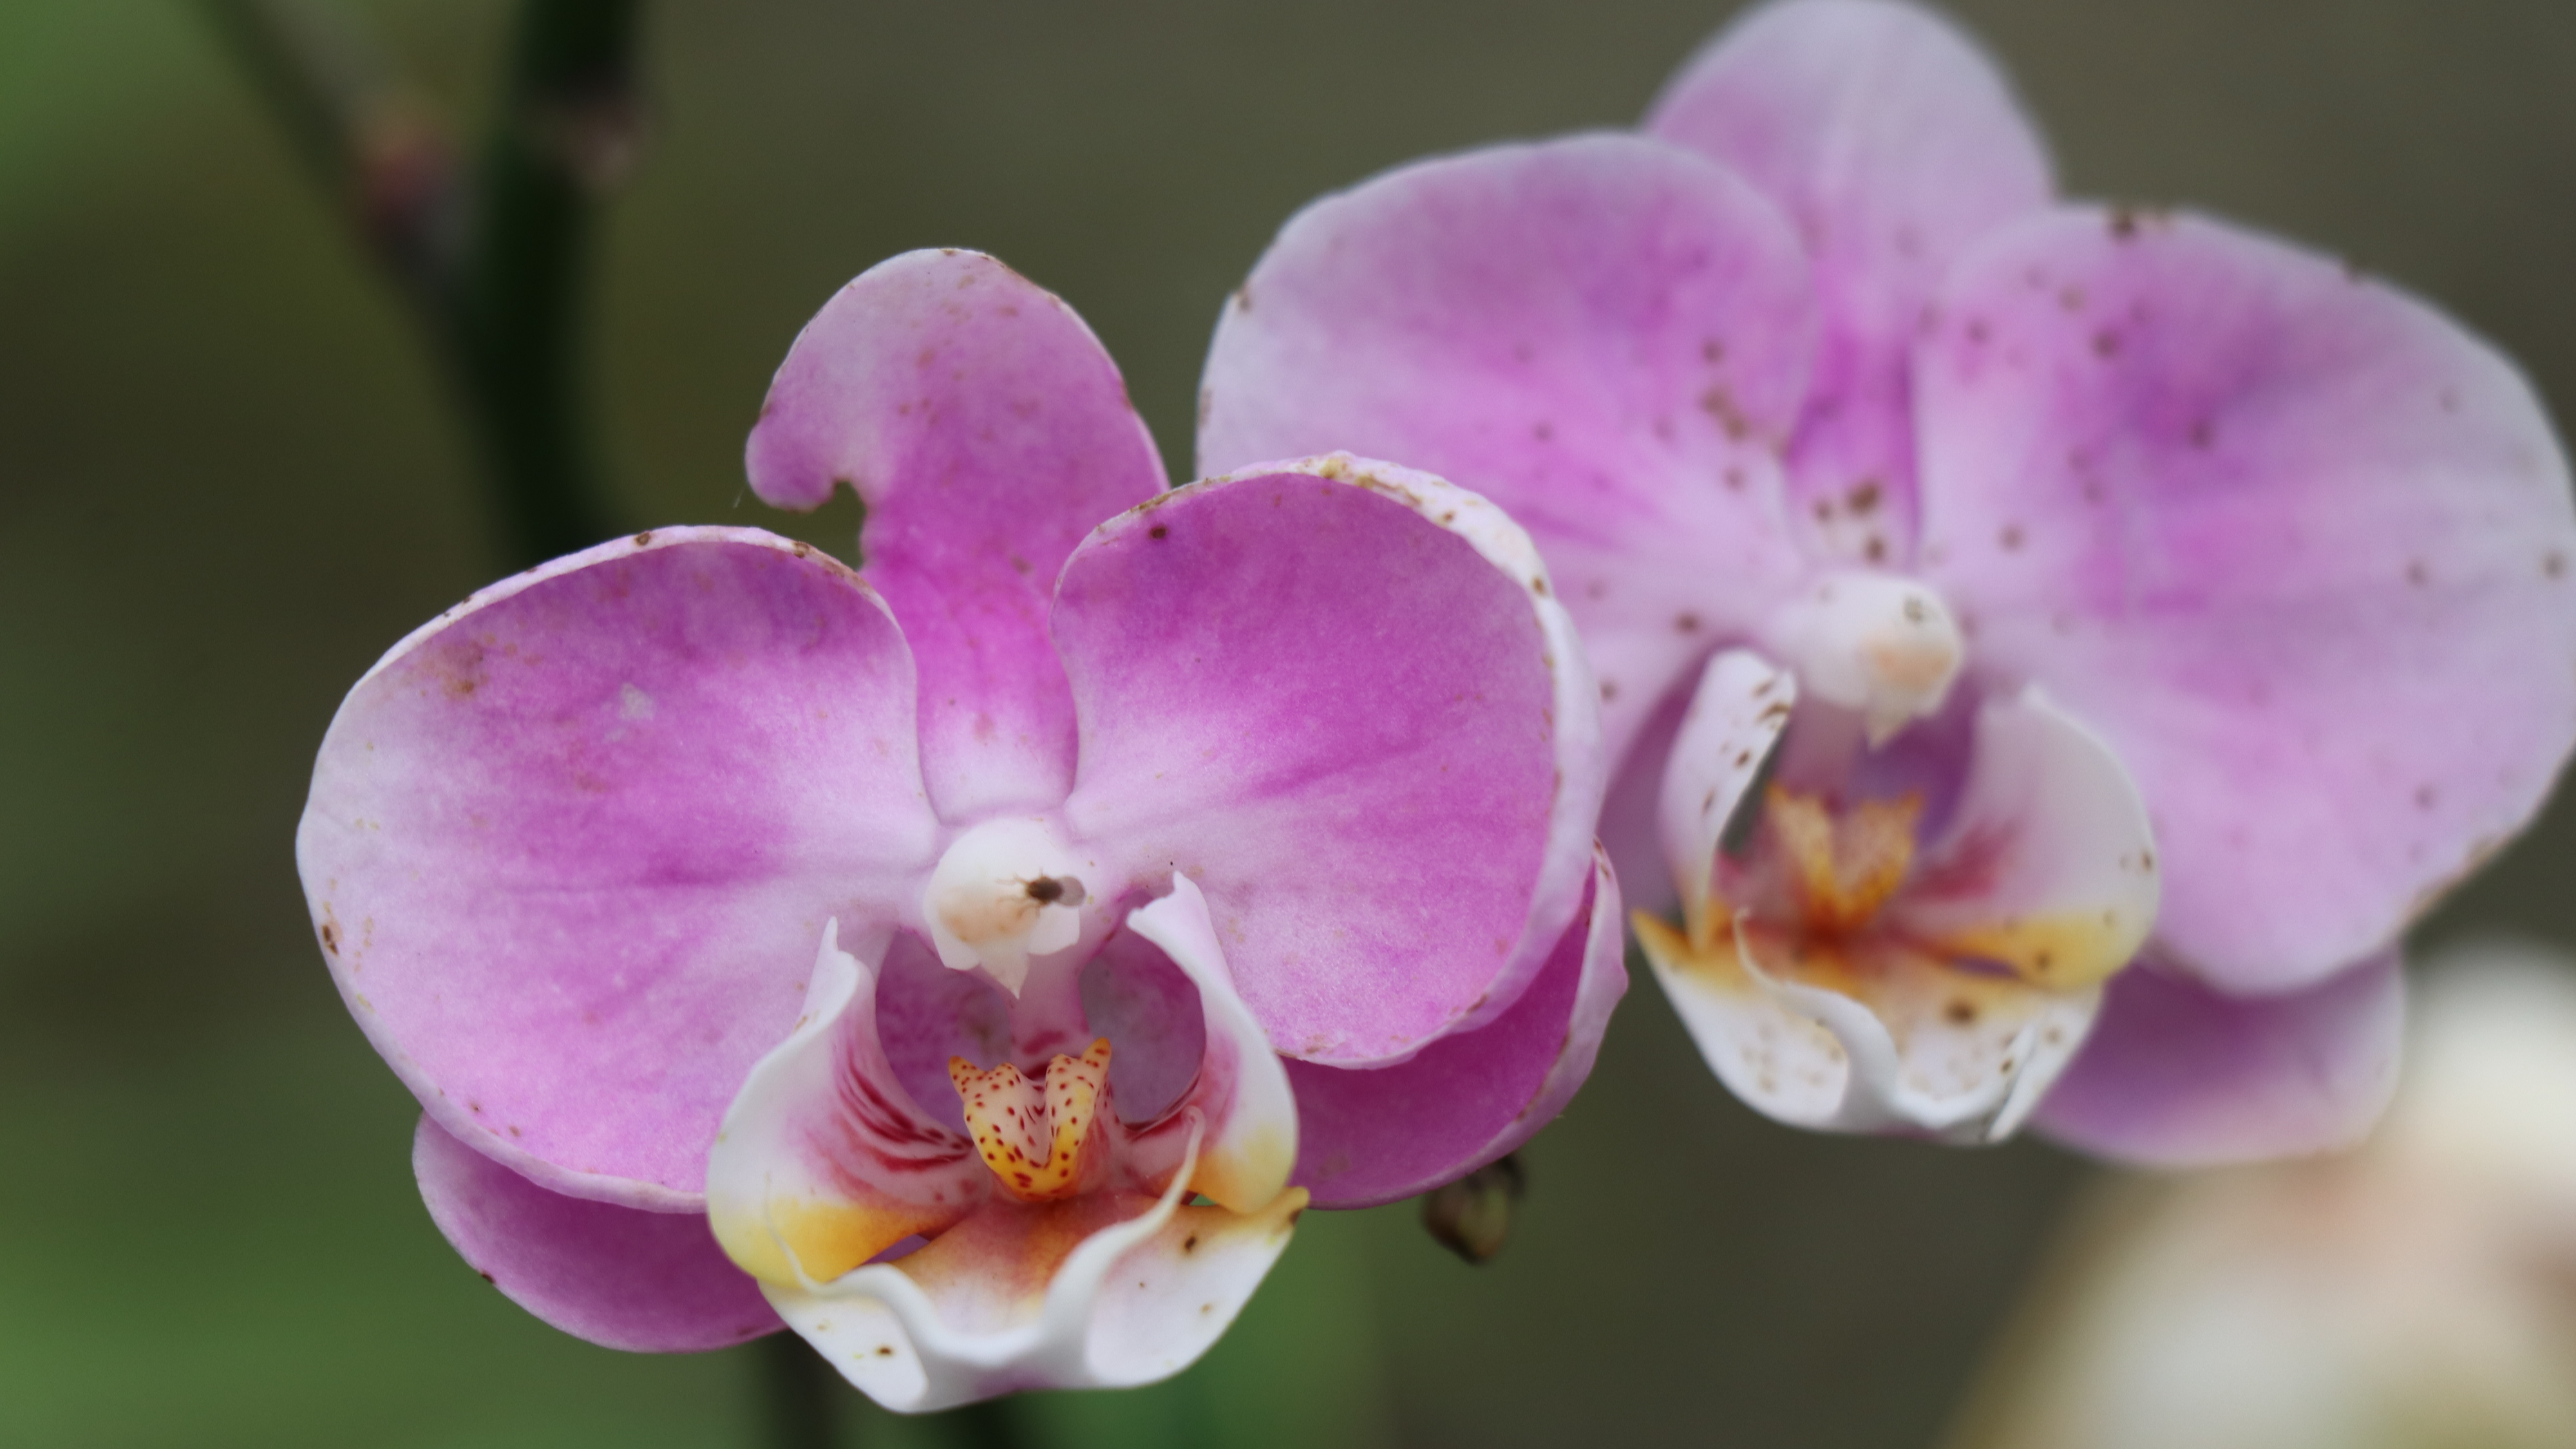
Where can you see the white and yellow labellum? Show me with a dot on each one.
(1876, 643)
(1844, 966)
(1003, 892)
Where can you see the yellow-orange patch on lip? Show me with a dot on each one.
(1036, 1137)
(2061, 952)
(822, 1239)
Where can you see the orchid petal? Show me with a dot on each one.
(568, 846)
(1604, 335)
(1242, 1089)
(1894, 143)
(2295, 543)
(987, 431)
(2047, 865)
(1026, 1296)
(825, 1159)
(620, 1277)
(1342, 698)
(1375, 1134)
(2178, 1075)
(1735, 718)
(1899, 1043)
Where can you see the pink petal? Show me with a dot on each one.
(1341, 697)
(987, 431)
(569, 847)
(2177, 1075)
(2294, 542)
(619, 1277)
(1373, 1135)
(1893, 143)
(1606, 336)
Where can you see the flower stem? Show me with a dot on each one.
(989, 1424)
(798, 1393)
(566, 133)
(495, 268)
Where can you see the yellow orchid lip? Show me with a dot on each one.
(1037, 1136)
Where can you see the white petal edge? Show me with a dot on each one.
(1242, 1087)
(1736, 714)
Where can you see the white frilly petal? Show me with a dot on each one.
(1935, 1052)
(1736, 715)
(1135, 1302)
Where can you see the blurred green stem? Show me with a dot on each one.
(496, 270)
(798, 1390)
(986, 1425)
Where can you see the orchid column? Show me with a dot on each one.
(976, 962)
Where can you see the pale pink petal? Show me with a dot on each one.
(987, 431)
(926, 1013)
(1605, 335)
(569, 847)
(1894, 143)
(1376, 1134)
(1341, 697)
(1630, 832)
(1149, 1008)
(620, 1277)
(826, 1160)
(2178, 1075)
(2295, 543)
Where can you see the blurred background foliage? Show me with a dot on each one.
(228, 481)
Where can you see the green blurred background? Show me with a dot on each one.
(228, 481)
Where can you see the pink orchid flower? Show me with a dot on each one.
(976, 961)
(1987, 592)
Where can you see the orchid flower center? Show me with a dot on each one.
(1842, 867)
(1003, 892)
(1876, 643)
(1038, 1139)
